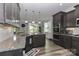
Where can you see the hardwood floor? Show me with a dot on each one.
(52, 49)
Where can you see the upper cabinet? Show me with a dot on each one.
(72, 16)
(77, 11)
(58, 22)
(16, 11)
(12, 11)
(8, 11)
(70, 19)
(67, 19)
(1, 13)
(58, 19)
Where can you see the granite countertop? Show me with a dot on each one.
(14, 42)
(73, 35)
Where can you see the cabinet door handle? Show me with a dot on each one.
(30, 41)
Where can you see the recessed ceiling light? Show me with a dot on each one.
(26, 21)
(33, 22)
(39, 22)
(60, 4)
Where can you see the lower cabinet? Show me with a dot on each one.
(64, 41)
(75, 45)
(68, 42)
(58, 39)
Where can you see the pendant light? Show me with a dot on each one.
(33, 17)
(26, 16)
(39, 18)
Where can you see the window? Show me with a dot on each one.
(33, 28)
(46, 27)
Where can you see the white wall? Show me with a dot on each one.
(49, 34)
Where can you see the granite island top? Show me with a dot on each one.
(12, 43)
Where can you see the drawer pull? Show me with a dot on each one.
(30, 41)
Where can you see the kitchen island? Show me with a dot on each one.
(34, 41)
(13, 46)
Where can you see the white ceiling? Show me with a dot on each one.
(45, 9)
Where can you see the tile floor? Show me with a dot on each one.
(52, 49)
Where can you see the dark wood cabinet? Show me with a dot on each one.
(34, 41)
(75, 45)
(38, 40)
(70, 19)
(66, 19)
(67, 42)
(63, 40)
(59, 40)
(56, 36)
(77, 11)
(58, 19)
(61, 21)
(28, 43)
(58, 22)
(56, 39)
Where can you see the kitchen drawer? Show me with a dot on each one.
(75, 43)
(75, 39)
(38, 40)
